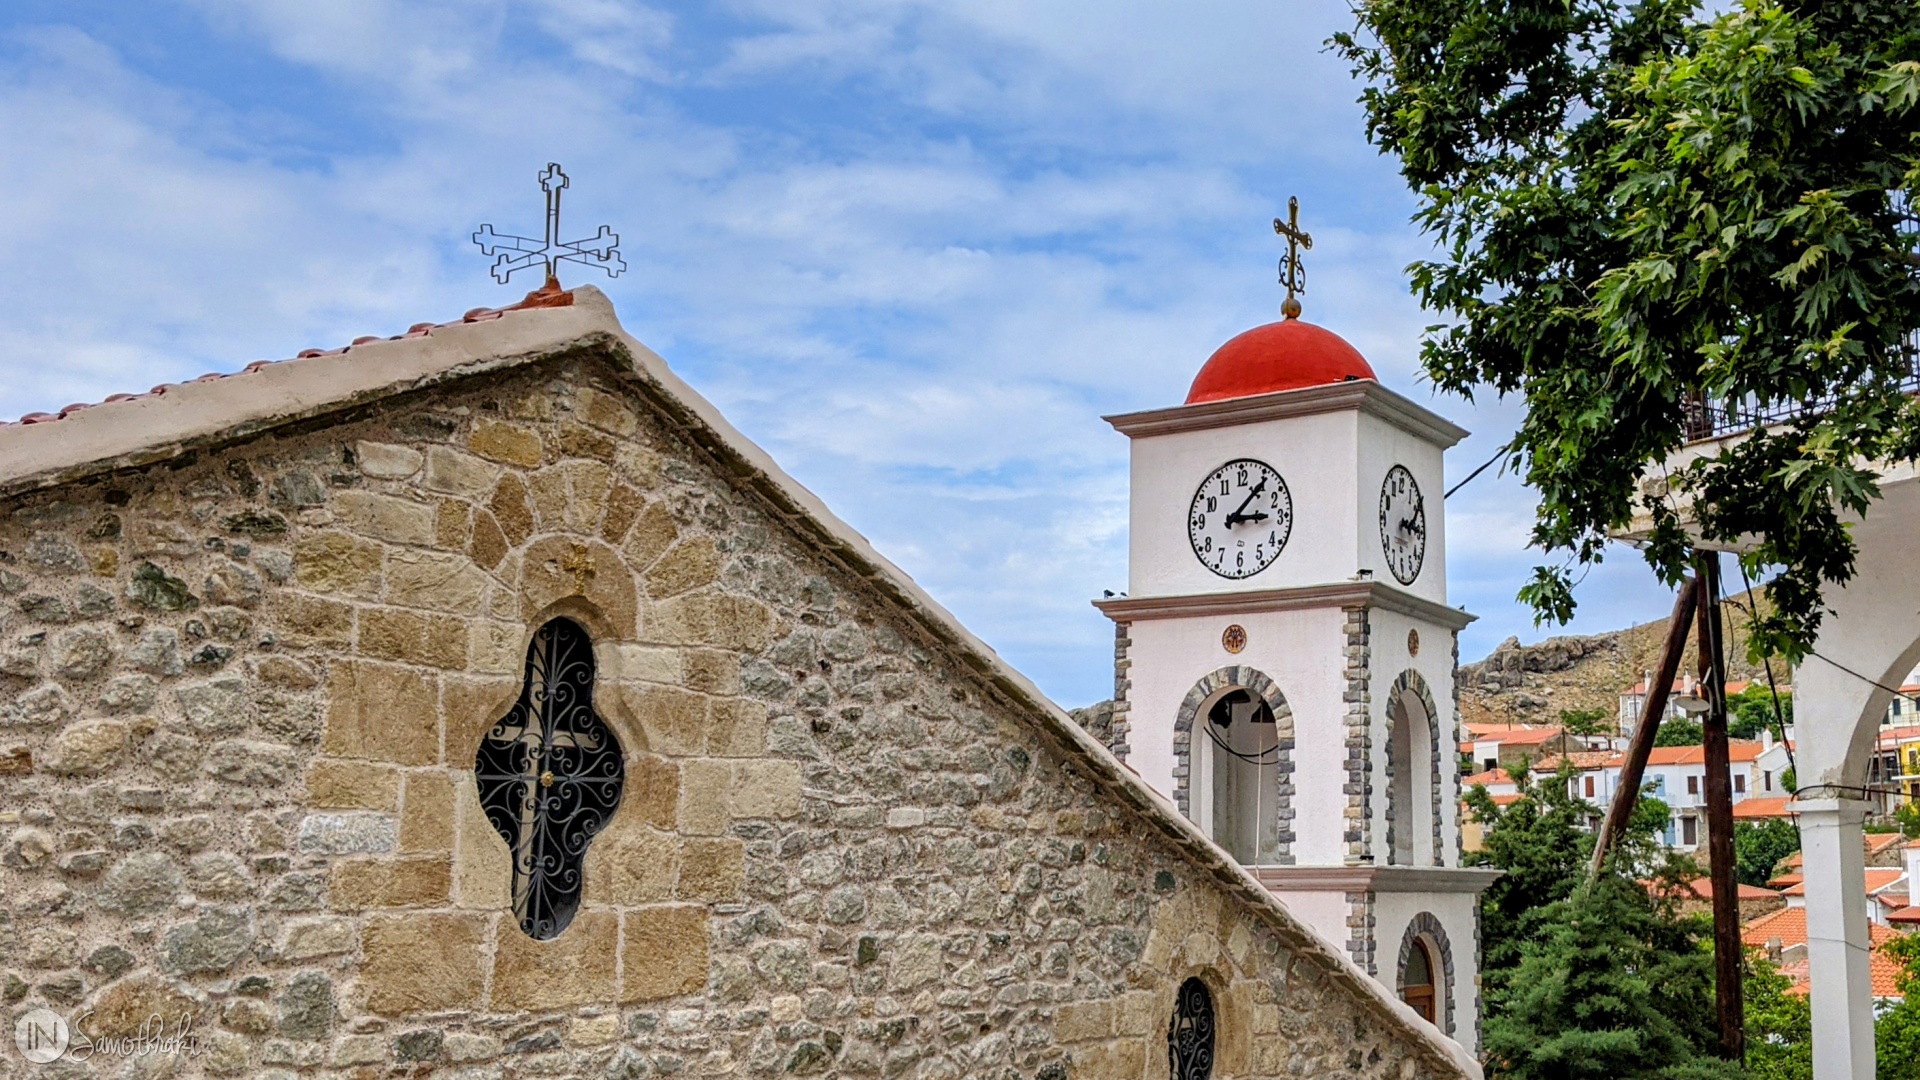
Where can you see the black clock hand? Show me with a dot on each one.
(1237, 517)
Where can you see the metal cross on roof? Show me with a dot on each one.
(513, 253)
(1293, 273)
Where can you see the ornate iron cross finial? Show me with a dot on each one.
(1293, 273)
(513, 253)
(550, 775)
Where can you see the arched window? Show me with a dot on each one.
(1412, 775)
(1416, 982)
(550, 773)
(1190, 1033)
(1241, 759)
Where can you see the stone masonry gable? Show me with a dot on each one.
(251, 634)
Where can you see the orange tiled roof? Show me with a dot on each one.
(1877, 878)
(1702, 889)
(1737, 750)
(1879, 842)
(1521, 736)
(543, 297)
(1769, 807)
(1581, 759)
(1789, 925)
(1489, 777)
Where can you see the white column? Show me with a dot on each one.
(1838, 947)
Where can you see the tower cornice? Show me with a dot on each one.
(1364, 395)
(1344, 594)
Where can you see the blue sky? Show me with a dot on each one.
(914, 249)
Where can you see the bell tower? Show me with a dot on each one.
(1284, 669)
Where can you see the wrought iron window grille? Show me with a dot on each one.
(1190, 1033)
(550, 774)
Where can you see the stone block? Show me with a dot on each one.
(346, 834)
(121, 1009)
(652, 794)
(1079, 1021)
(497, 648)
(413, 637)
(511, 444)
(675, 721)
(577, 968)
(309, 621)
(250, 763)
(1117, 1057)
(380, 712)
(764, 789)
(593, 1030)
(351, 1050)
(352, 785)
(470, 704)
(557, 567)
(712, 870)
(648, 663)
(436, 582)
(387, 461)
(452, 524)
(87, 748)
(482, 866)
(688, 564)
(422, 962)
(712, 671)
(664, 952)
(385, 517)
(623, 507)
(486, 544)
(704, 790)
(285, 672)
(652, 533)
(426, 818)
(336, 562)
(458, 474)
(632, 865)
(511, 507)
(310, 939)
(409, 881)
(605, 411)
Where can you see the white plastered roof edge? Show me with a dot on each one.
(190, 416)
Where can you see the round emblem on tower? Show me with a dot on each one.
(1233, 638)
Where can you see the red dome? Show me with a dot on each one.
(1285, 355)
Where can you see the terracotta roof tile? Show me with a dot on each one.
(1770, 807)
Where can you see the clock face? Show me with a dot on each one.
(1403, 524)
(1240, 518)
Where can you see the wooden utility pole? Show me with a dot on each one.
(1728, 957)
(1627, 791)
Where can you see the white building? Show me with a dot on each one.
(1285, 654)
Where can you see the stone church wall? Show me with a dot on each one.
(241, 693)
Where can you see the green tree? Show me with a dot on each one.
(1679, 731)
(1587, 721)
(1896, 1031)
(1758, 847)
(1646, 207)
(1779, 1025)
(1750, 712)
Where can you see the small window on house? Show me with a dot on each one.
(1589, 787)
(1190, 1033)
(1417, 981)
(1693, 785)
(1489, 764)
(1739, 784)
(1766, 780)
(1689, 832)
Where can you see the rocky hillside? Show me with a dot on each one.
(1534, 683)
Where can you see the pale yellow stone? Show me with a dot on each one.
(623, 506)
(381, 712)
(640, 465)
(86, 748)
(665, 952)
(459, 474)
(435, 581)
(469, 705)
(649, 663)
(708, 618)
(123, 1007)
(452, 524)
(587, 485)
(1078, 1021)
(482, 866)
(285, 671)
(384, 517)
(558, 567)
(632, 865)
(739, 728)
(767, 788)
(409, 881)
(688, 564)
(352, 785)
(703, 797)
(497, 648)
(335, 562)
(675, 720)
(508, 443)
(653, 791)
(712, 671)
(387, 461)
(311, 938)
(653, 532)
(593, 1030)
(606, 412)
(576, 968)
(426, 812)
(421, 962)
(712, 870)
(302, 621)
(413, 637)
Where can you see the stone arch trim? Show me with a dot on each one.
(1412, 684)
(1426, 925)
(1257, 682)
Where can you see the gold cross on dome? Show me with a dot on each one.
(1293, 273)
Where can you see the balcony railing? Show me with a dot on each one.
(1713, 418)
